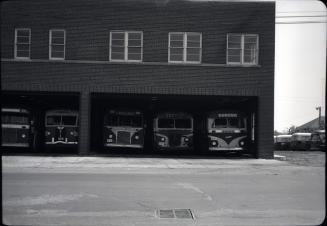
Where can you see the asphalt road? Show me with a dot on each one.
(304, 158)
(253, 193)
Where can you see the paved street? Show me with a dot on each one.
(128, 191)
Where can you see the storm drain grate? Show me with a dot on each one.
(175, 213)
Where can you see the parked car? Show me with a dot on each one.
(283, 142)
(318, 141)
(300, 141)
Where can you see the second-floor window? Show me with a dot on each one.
(242, 49)
(126, 46)
(184, 47)
(57, 41)
(22, 43)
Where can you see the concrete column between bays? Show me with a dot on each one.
(84, 123)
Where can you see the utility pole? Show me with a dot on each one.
(319, 108)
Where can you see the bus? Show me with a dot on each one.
(173, 131)
(227, 131)
(124, 128)
(61, 128)
(283, 142)
(300, 141)
(318, 140)
(16, 127)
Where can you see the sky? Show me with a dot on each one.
(300, 62)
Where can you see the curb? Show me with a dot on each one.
(280, 157)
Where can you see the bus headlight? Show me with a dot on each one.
(110, 136)
(242, 143)
(162, 139)
(73, 133)
(137, 137)
(214, 143)
(23, 135)
(186, 139)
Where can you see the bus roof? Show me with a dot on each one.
(61, 112)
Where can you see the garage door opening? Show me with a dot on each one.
(149, 115)
(51, 117)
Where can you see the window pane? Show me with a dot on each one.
(134, 42)
(195, 58)
(176, 44)
(23, 47)
(57, 34)
(176, 57)
(58, 48)
(58, 40)
(235, 52)
(133, 56)
(134, 36)
(234, 58)
(23, 32)
(117, 50)
(193, 44)
(69, 120)
(193, 37)
(178, 51)
(234, 38)
(117, 56)
(194, 51)
(55, 54)
(23, 53)
(22, 39)
(250, 39)
(165, 123)
(117, 42)
(232, 45)
(193, 40)
(137, 50)
(117, 35)
(176, 37)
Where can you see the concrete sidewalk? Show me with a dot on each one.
(127, 162)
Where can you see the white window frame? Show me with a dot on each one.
(125, 46)
(185, 61)
(50, 45)
(29, 43)
(242, 50)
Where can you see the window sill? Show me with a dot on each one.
(65, 61)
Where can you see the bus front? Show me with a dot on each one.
(124, 129)
(227, 132)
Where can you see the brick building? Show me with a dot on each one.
(156, 54)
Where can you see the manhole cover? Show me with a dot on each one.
(175, 213)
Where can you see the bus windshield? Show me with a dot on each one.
(14, 119)
(124, 120)
(183, 123)
(67, 120)
(228, 123)
(174, 123)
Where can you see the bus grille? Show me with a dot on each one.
(175, 140)
(123, 137)
(9, 135)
